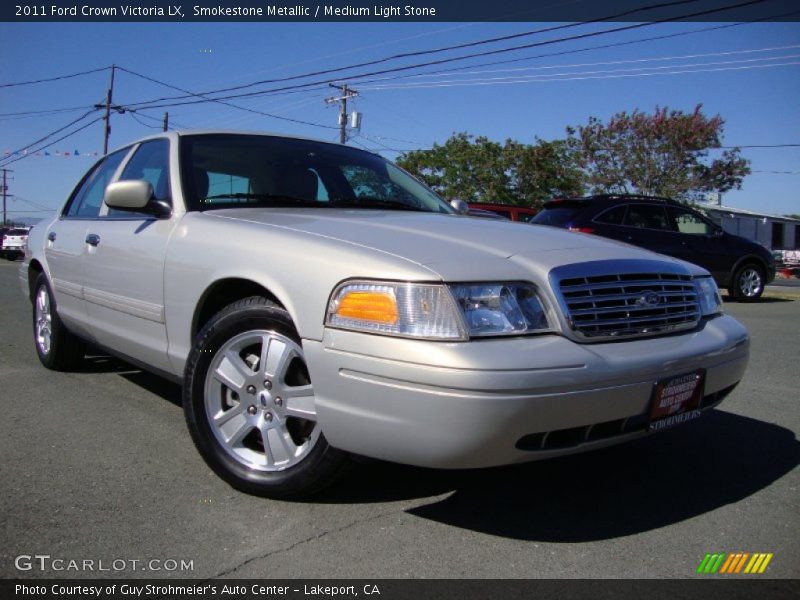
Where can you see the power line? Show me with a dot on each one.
(34, 204)
(250, 110)
(52, 133)
(156, 119)
(459, 46)
(580, 50)
(58, 78)
(49, 111)
(619, 62)
(54, 142)
(453, 59)
(582, 75)
(142, 123)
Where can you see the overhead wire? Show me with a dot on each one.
(39, 149)
(580, 50)
(496, 39)
(616, 62)
(601, 74)
(51, 134)
(58, 78)
(440, 61)
(229, 104)
(33, 113)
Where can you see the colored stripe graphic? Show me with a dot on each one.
(733, 563)
(741, 562)
(711, 562)
(730, 563)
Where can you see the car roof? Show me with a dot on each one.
(608, 199)
(502, 205)
(178, 133)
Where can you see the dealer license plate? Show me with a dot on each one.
(676, 400)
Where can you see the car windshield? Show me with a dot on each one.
(557, 215)
(246, 171)
(17, 232)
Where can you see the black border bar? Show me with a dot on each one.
(64, 11)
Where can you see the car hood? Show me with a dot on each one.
(448, 244)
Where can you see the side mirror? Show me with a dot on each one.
(136, 196)
(461, 207)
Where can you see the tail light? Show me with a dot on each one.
(582, 229)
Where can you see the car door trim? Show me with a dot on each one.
(136, 308)
(70, 289)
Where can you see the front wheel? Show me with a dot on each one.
(748, 283)
(250, 405)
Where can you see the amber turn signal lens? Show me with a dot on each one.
(378, 307)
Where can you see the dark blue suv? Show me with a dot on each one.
(668, 227)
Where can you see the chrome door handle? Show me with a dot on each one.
(93, 239)
(51, 236)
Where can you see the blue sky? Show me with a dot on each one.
(749, 74)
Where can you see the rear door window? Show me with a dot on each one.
(687, 221)
(647, 216)
(612, 216)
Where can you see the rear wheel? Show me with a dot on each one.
(250, 405)
(56, 347)
(748, 283)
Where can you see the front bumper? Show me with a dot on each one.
(493, 402)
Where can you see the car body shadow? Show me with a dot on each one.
(762, 300)
(99, 362)
(640, 486)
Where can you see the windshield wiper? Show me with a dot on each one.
(272, 199)
(374, 202)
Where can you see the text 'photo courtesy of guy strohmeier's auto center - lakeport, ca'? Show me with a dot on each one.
(427, 301)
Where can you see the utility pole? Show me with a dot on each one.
(342, 100)
(108, 111)
(5, 192)
(109, 106)
(166, 121)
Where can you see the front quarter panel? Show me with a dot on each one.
(300, 269)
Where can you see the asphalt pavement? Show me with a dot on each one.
(98, 465)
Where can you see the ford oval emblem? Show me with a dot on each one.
(649, 299)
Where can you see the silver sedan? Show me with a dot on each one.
(316, 302)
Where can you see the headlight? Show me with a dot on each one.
(432, 311)
(708, 296)
(500, 308)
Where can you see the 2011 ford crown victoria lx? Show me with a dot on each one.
(317, 302)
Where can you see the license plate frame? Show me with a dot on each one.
(676, 400)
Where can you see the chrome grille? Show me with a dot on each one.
(629, 304)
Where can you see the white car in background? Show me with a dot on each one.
(316, 301)
(12, 243)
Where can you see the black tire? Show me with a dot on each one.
(747, 284)
(244, 463)
(63, 351)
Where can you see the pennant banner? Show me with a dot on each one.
(67, 153)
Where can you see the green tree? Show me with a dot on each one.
(541, 171)
(476, 169)
(472, 169)
(664, 154)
